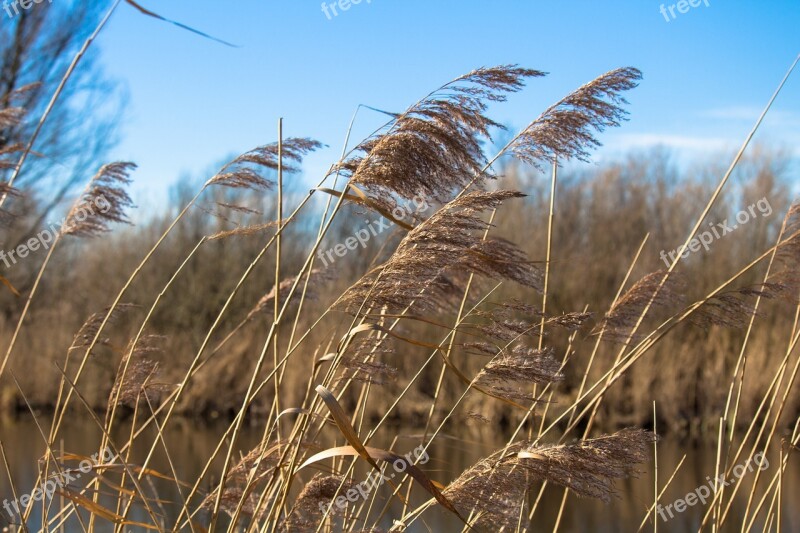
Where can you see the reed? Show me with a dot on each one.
(433, 330)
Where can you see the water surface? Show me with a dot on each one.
(191, 443)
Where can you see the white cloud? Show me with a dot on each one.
(627, 141)
(732, 113)
(778, 118)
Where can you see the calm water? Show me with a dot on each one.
(191, 444)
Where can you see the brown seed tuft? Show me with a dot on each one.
(244, 171)
(566, 130)
(90, 328)
(436, 256)
(103, 203)
(496, 486)
(659, 289)
(138, 384)
(317, 277)
(434, 147)
(316, 495)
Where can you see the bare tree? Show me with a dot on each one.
(37, 46)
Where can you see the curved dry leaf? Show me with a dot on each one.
(362, 199)
(388, 457)
(97, 509)
(340, 417)
(355, 331)
(324, 359)
(9, 286)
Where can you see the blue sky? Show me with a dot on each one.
(193, 102)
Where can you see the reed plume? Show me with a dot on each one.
(244, 172)
(316, 278)
(728, 310)
(6, 190)
(251, 469)
(104, 202)
(8, 162)
(434, 147)
(367, 370)
(312, 502)
(441, 249)
(566, 130)
(223, 210)
(506, 311)
(503, 324)
(521, 365)
(660, 289)
(88, 331)
(244, 231)
(570, 321)
(496, 486)
(734, 308)
(10, 117)
(787, 279)
(477, 417)
(135, 378)
(589, 467)
(258, 463)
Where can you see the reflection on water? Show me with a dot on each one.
(191, 444)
